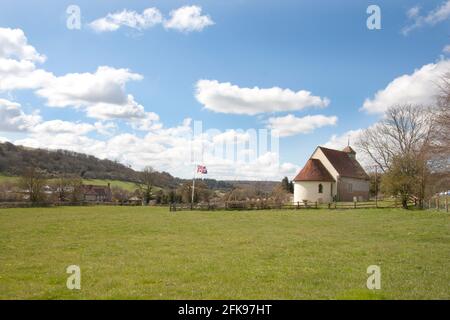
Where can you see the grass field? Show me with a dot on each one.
(130, 186)
(150, 253)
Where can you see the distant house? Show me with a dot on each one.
(93, 193)
(331, 175)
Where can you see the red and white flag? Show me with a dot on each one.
(202, 169)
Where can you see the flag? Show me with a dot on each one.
(202, 169)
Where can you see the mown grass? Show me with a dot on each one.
(151, 253)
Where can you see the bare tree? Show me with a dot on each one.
(33, 182)
(145, 184)
(400, 144)
(405, 129)
(440, 147)
(61, 188)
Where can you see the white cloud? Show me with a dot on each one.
(106, 85)
(188, 19)
(61, 127)
(113, 21)
(13, 119)
(419, 88)
(413, 12)
(446, 49)
(184, 19)
(339, 142)
(15, 75)
(147, 122)
(233, 136)
(101, 94)
(228, 98)
(14, 44)
(433, 17)
(290, 125)
(17, 62)
(3, 140)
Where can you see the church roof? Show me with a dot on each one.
(314, 170)
(345, 165)
(349, 149)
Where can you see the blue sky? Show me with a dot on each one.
(322, 47)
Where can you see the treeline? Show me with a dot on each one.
(15, 160)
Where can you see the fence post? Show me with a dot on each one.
(446, 203)
(335, 204)
(429, 203)
(329, 205)
(437, 203)
(354, 204)
(316, 204)
(298, 204)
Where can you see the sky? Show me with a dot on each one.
(267, 81)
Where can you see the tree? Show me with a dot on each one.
(404, 178)
(145, 184)
(287, 185)
(119, 194)
(172, 197)
(401, 139)
(440, 147)
(280, 194)
(33, 182)
(76, 189)
(375, 181)
(201, 192)
(63, 187)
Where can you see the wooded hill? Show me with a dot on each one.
(15, 159)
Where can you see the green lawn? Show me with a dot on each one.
(151, 253)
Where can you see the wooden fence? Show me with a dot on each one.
(439, 203)
(267, 205)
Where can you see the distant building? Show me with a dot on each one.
(93, 193)
(331, 175)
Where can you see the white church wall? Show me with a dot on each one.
(309, 190)
(318, 154)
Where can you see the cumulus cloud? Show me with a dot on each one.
(139, 21)
(101, 94)
(14, 119)
(290, 125)
(106, 85)
(188, 19)
(419, 88)
(14, 44)
(62, 127)
(18, 62)
(437, 15)
(184, 19)
(228, 98)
